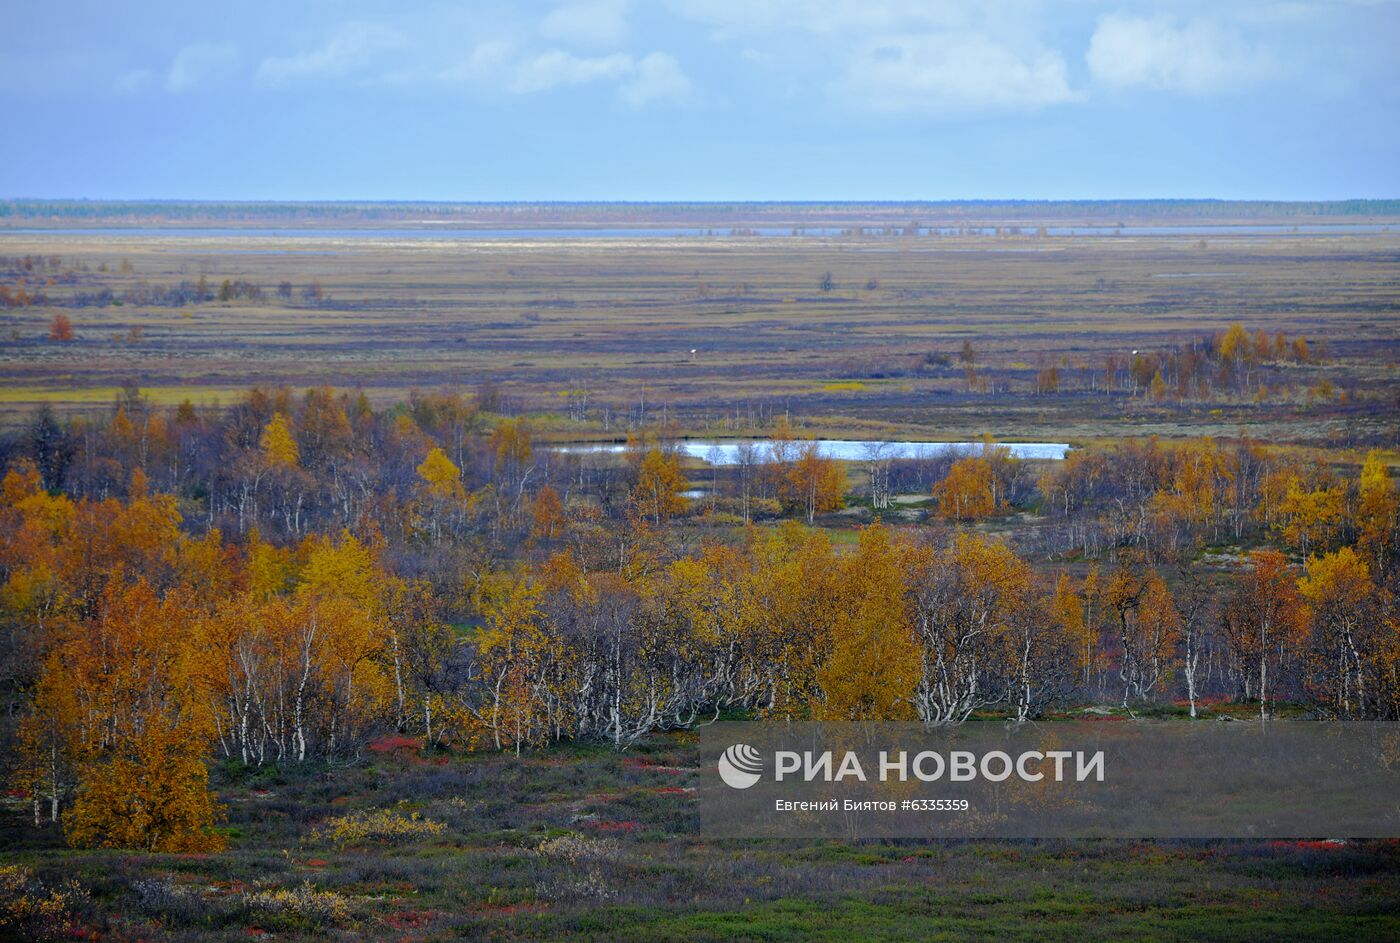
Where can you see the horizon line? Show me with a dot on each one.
(683, 201)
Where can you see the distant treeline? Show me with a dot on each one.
(1102, 212)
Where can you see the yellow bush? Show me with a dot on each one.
(306, 902)
(384, 825)
(152, 794)
(31, 911)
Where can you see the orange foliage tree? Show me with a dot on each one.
(657, 492)
(137, 737)
(61, 328)
(1341, 606)
(814, 484)
(968, 492)
(973, 606)
(873, 664)
(1263, 624)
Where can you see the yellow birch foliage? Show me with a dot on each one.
(814, 483)
(968, 492)
(1377, 512)
(1310, 518)
(786, 602)
(441, 477)
(279, 447)
(1338, 597)
(875, 659)
(152, 793)
(138, 742)
(514, 647)
(659, 486)
(1067, 611)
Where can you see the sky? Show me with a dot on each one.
(701, 99)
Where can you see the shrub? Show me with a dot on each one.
(575, 848)
(159, 897)
(305, 902)
(591, 885)
(61, 328)
(384, 825)
(29, 910)
(152, 794)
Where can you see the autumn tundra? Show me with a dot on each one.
(370, 584)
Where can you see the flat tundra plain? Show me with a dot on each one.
(859, 335)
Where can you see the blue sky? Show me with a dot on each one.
(701, 99)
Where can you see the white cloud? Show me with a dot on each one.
(197, 63)
(597, 23)
(1198, 56)
(351, 49)
(556, 68)
(486, 60)
(134, 81)
(898, 56)
(842, 18)
(938, 73)
(657, 77)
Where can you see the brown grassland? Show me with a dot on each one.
(615, 320)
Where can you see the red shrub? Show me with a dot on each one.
(393, 743)
(1329, 844)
